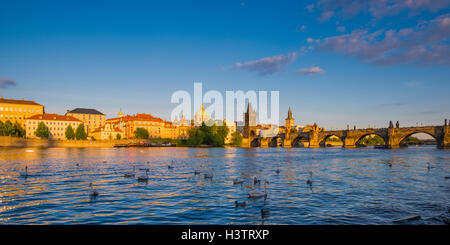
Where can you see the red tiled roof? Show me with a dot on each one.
(53, 117)
(23, 102)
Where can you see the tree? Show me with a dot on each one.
(70, 134)
(141, 133)
(195, 137)
(80, 134)
(8, 128)
(118, 136)
(236, 139)
(1, 129)
(42, 131)
(17, 130)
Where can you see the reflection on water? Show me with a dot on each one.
(350, 186)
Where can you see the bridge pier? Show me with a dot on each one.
(445, 144)
(265, 142)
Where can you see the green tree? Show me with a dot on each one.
(195, 137)
(141, 133)
(236, 139)
(17, 130)
(1, 129)
(70, 134)
(80, 134)
(42, 131)
(118, 136)
(8, 128)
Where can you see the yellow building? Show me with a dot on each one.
(56, 124)
(18, 110)
(107, 132)
(156, 127)
(91, 118)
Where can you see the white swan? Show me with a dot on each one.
(209, 175)
(93, 192)
(258, 193)
(130, 174)
(24, 174)
(143, 178)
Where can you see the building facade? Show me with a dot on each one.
(156, 127)
(107, 132)
(91, 118)
(55, 123)
(18, 110)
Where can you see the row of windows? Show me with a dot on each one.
(50, 128)
(19, 109)
(11, 117)
(89, 116)
(52, 123)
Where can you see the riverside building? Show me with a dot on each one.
(18, 110)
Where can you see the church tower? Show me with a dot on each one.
(249, 122)
(289, 121)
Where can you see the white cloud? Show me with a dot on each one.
(311, 70)
(267, 65)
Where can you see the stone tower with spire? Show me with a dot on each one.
(289, 123)
(249, 122)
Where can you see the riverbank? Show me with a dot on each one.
(7, 141)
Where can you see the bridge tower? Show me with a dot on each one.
(249, 126)
(289, 124)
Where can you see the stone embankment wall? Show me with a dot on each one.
(7, 141)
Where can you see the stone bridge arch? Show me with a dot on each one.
(398, 135)
(323, 138)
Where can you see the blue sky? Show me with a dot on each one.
(338, 62)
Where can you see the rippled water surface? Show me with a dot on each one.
(350, 186)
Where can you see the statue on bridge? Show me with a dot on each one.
(391, 125)
(445, 124)
(397, 124)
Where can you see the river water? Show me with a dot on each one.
(350, 186)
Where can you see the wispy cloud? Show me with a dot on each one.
(311, 70)
(326, 16)
(413, 84)
(375, 8)
(267, 65)
(427, 43)
(301, 28)
(5, 83)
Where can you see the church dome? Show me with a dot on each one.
(201, 115)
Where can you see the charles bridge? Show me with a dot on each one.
(393, 136)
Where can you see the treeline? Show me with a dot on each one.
(9, 129)
(212, 136)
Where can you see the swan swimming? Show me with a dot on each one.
(258, 193)
(130, 174)
(24, 174)
(143, 178)
(94, 192)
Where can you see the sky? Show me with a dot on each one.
(356, 62)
